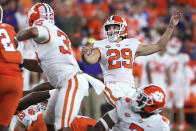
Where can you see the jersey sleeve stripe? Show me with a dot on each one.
(109, 99)
(110, 92)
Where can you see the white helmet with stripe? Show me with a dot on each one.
(174, 46)
(40, 11)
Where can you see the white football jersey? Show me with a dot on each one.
(53, 50)
(117, 59)
(158, 66)
(143, 60)
(128, 120)
(178, 73)
(25, 116)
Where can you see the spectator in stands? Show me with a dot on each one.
(84, 30)
(68, 23)
(184, 26)
(9, 14)
(96, 24)
(21, 16)
(76, 42)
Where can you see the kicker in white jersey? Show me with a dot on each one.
(117, 59)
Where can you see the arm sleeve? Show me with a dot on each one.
(165, 124)
(51, 92)
(113, 119)
(165, 127)
(43, 34)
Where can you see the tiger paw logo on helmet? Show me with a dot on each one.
(158, 96)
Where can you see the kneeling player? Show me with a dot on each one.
(140, 113)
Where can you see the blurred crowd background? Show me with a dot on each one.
(82, 21)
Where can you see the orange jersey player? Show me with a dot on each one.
(11, 81)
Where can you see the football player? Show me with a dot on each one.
(141, 113)
(179, 80)
(54, 54)
(26, 117)
(35, 121)
(11, 80)
(116, 55)
(158, 69)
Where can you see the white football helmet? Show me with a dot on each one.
(40, 11)
(174, 46)
(115, 20)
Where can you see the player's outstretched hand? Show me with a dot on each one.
(175, 18)
(86, 50)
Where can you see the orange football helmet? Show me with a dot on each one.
(150, 98)
(115, 20)
(40, 11)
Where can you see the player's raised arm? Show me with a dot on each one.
(148, 49)
(89, 55)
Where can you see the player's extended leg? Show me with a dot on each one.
(69, 100)
(181, 118)
(112, 93)
(115, 90)
(49, 115)
(10, 94)
(179, 103)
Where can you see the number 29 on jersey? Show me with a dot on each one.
(118, 58)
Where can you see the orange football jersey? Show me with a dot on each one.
(10, 58)
(80, 123)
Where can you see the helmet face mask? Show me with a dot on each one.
(120, 26)
(140, 99)
(148, 99)
(42, 106)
